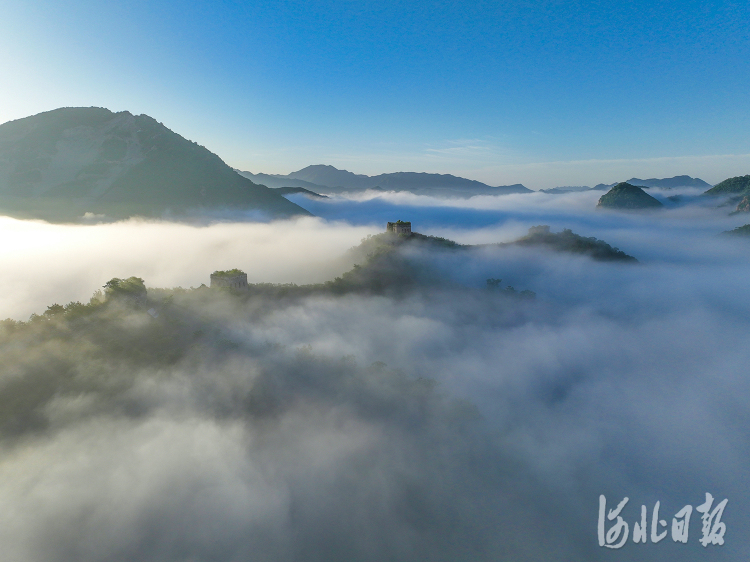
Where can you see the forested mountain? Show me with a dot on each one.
(63, 163)
(626, 196)
(732, 186)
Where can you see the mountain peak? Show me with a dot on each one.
(627, 196)
(60, 164)
(738, 185)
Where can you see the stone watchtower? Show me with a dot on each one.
(231, 279)
(399, 227)
(541, 229)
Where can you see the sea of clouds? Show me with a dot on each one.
(446, 424)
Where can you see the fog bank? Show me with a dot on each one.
(46, 263)
(448, 422)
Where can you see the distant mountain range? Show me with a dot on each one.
(327, 179)
(670, 183)
(664, 183)
(63, 163)
(275, 181)
(566, 189)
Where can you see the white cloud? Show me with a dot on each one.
(622, 380)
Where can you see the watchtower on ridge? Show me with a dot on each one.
(399, 227)
(231, 279)
(541, 229)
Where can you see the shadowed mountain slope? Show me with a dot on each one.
(63, 163)
(301, 190)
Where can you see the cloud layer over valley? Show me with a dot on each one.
(447, 422)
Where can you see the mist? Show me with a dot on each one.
(48, 263)
(446, 422)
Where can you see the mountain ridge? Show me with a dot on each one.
(669, 183)
(60, 164)
(737, 186)
(663, 183)
(328, 179)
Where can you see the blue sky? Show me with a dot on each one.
(542, 93)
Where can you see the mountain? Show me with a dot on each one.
(626, 196)
(739, 185)
(327, 179)
(569, 241)
(302, 190)
(332, 177)
(664, 183)
(275, 181)
(739, 231)
(63, 163)
(565, 189)
(669, 183)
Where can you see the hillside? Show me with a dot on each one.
(739, 231)
(300, 190)
(732, 186)
(388, 264)
(744, 205)
(627, 197)
(569, 241)
(63, 163)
